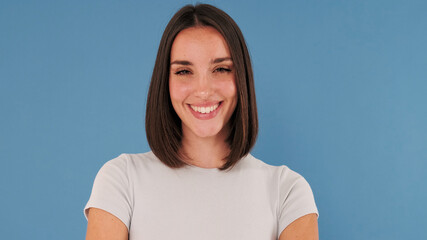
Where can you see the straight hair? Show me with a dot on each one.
(162, 124)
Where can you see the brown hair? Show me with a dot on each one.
(162, 124)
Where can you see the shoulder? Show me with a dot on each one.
(281, 173)
(294, 195)
(131, 163)
(126, 160)
(290, 184)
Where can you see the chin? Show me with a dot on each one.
(206, 133)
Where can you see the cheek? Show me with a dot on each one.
(228, 88)
(178, 91)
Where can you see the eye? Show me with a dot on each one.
(223, 70)
(182, 72)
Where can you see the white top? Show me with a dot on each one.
(253, 200)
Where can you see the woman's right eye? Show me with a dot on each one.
(182, 72)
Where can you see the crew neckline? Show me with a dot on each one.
(201, 169)
(215, 170)
(189, 166)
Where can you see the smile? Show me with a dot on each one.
(206, 109)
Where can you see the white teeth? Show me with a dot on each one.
(205, 109)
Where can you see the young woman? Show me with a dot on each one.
(199, 181)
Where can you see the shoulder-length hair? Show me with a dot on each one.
(162, 124)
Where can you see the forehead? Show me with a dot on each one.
(199, 43)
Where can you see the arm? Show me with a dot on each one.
(105, 226)
(304, 228)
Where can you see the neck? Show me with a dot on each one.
(205, 152)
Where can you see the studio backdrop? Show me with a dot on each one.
(341, 89)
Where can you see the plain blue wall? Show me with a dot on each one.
(341, 89)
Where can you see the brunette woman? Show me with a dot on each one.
(200, 181)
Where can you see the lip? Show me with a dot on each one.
(205, 116)
(205, 104)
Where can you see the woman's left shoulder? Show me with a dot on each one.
(279, 171)
(286, 178)
(294, 193)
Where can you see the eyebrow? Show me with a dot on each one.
(187, 63)
(181, 62)
(218, 60)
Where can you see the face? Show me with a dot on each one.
(202, 82)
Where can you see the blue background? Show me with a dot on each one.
(341, 89)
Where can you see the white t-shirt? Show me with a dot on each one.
(253, 200)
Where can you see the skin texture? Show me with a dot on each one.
(105, 226)
(198, 77)
(304, 228)
(202, 74)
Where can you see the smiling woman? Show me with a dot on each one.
(164, 128)
(203, 92)
(199, 181)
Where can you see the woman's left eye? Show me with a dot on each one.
(222, 69)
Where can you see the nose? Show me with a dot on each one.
(204, 87)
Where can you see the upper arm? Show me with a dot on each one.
(304, 228)
(111, 193)
(296, 203)
(105, 226)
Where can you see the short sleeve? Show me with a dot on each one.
(295, 198)
(111, 191)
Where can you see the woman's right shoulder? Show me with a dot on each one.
(125, 158)
(132, 161)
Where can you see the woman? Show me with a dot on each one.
(199, 181)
